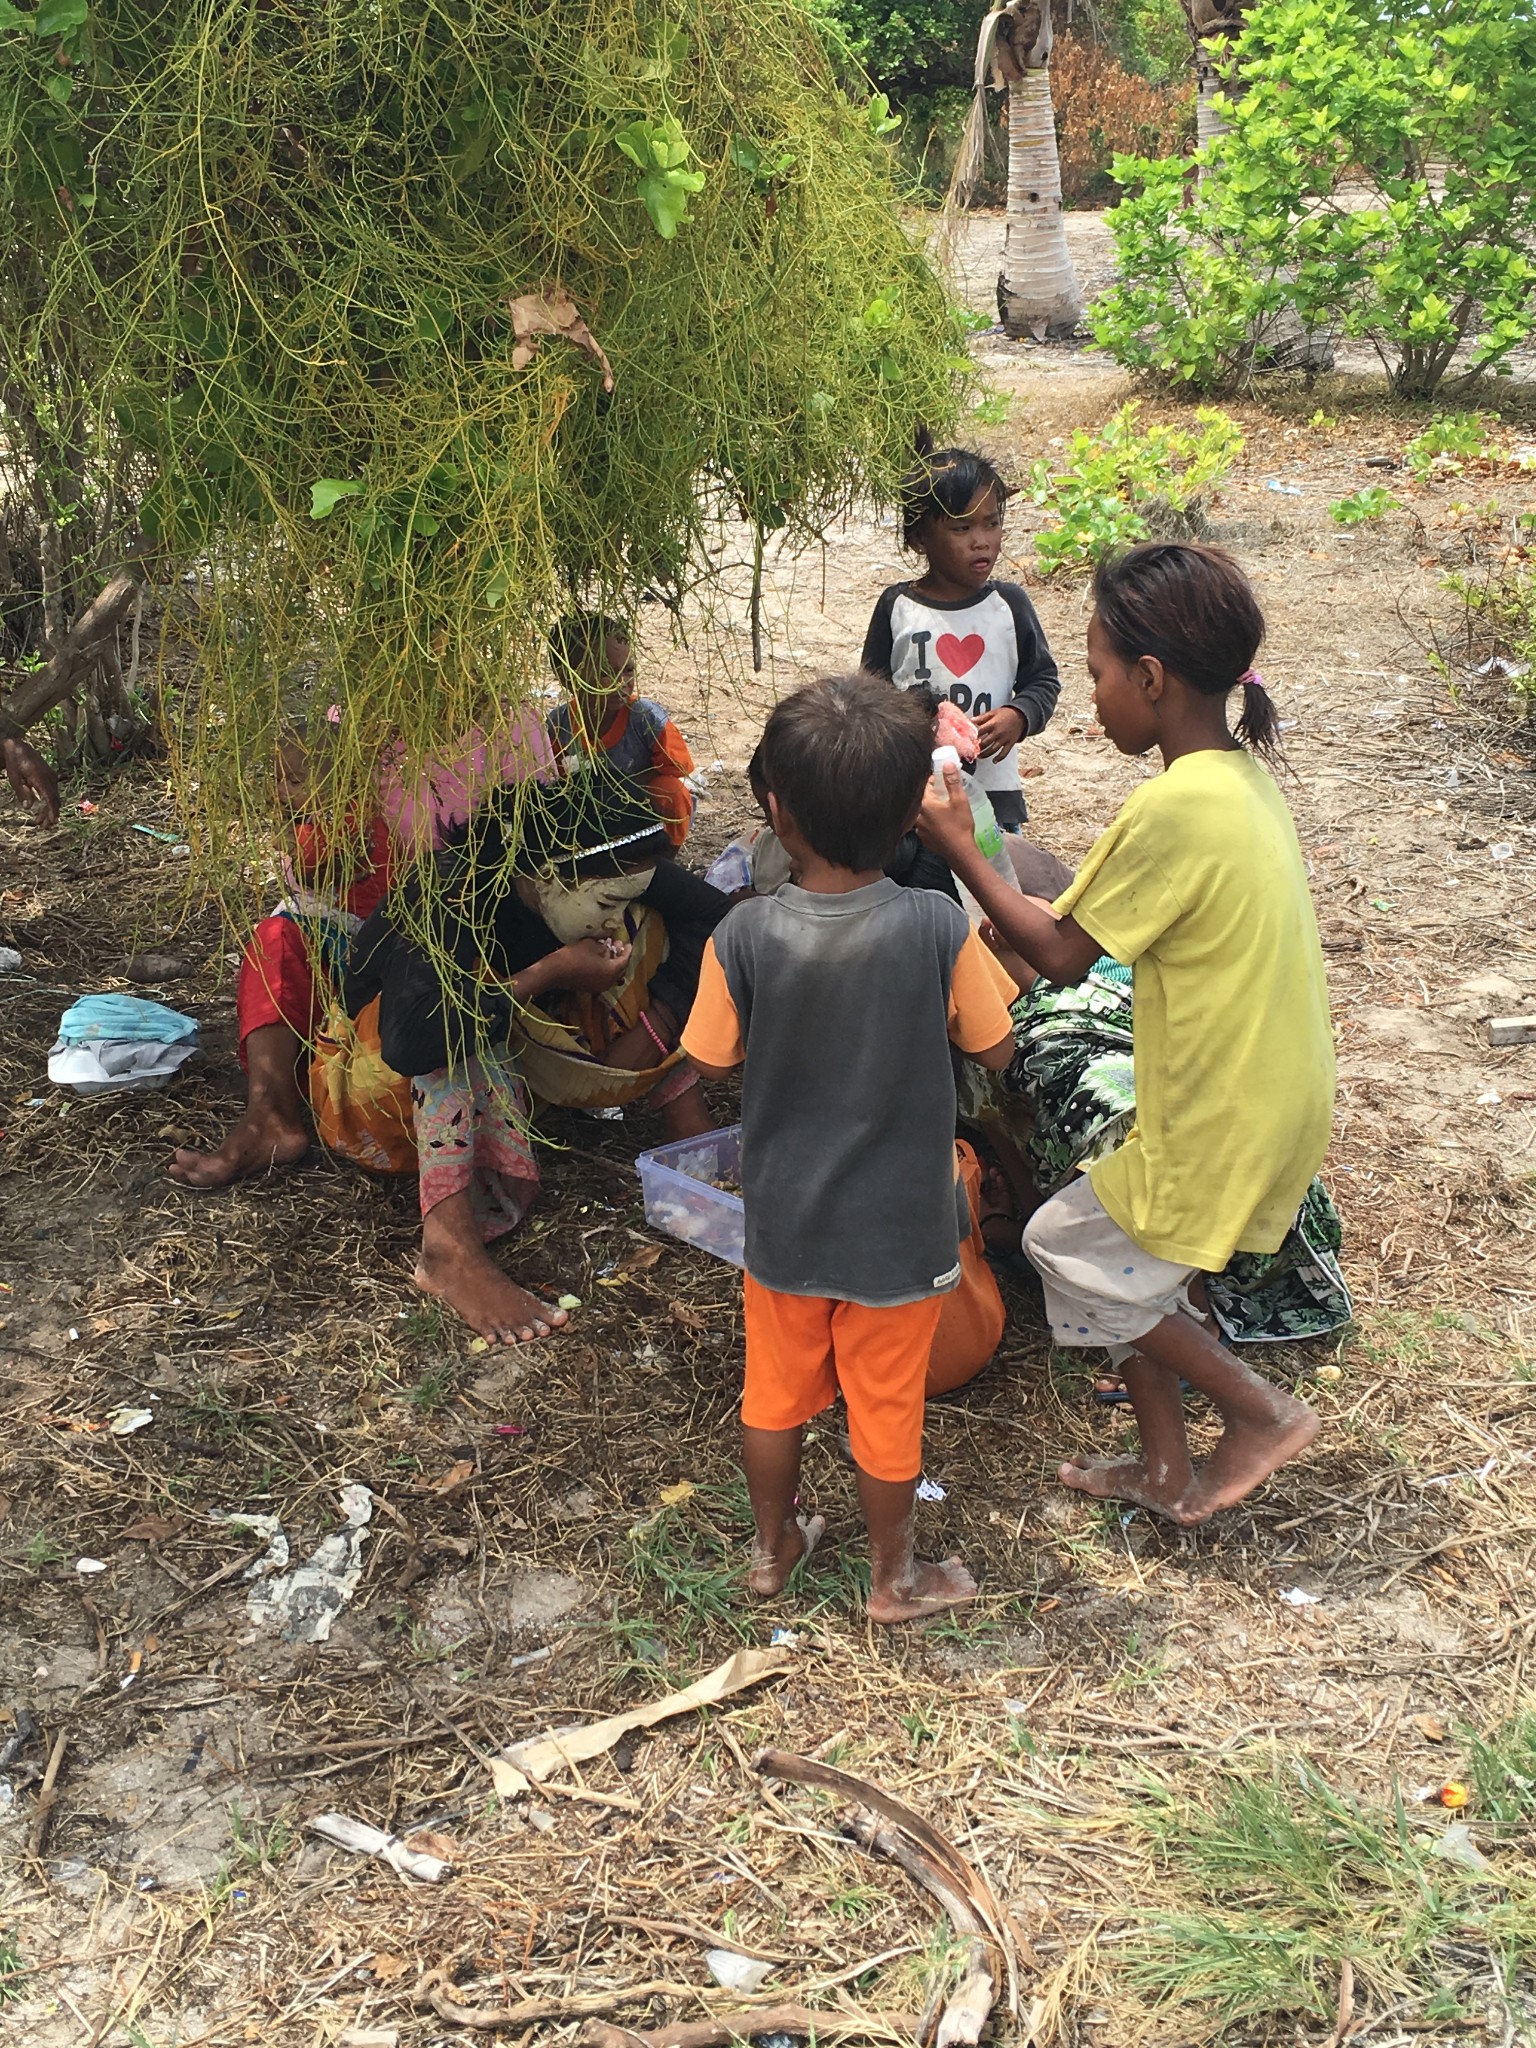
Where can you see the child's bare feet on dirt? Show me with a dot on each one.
(1248, 1453)
(468, 1279)
(259, 1141)
(1129, 1479)
(927, 1589)
(770, 1568)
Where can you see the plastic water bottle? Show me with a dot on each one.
(989, 834)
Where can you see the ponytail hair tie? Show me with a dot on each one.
(1251, 675)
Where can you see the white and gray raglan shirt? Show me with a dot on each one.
(980, 652)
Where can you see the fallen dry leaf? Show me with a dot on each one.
(642, 1260)
(150, 1529)
(1431, 1727)
(386, 1969)
(461, 1470)
(674, 1496)
(553, 312)
(688, 1317)
(428, 1842)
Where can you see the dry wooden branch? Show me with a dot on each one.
(51, 685)
(744, 2026)
(436, 1991)
(47, 1796)
(690, 1932)
(934, 1862)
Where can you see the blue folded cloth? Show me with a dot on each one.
(132, 1019)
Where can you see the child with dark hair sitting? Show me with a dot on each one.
(840, 997)
(594, 660)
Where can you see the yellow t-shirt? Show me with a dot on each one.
(1199, 887)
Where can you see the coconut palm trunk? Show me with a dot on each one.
(1037, 292)
(1215, 26)
(1037, 289)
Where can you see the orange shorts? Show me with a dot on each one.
(802, 1347)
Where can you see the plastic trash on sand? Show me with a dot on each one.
(303, 1604)
(109, 1042)
(736, 1973)
(363, 1840)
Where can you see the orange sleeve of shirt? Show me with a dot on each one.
(671, 760)
(713, 1030)
(979, 994)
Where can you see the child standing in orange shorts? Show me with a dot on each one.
(840, 996)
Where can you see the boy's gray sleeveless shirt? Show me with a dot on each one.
(848, 1092)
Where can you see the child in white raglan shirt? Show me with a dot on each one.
(953, 632)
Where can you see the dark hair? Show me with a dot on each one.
(579, 636)
(945, 483)
(525, 828)
(757, 777)
(847, 757)
(1194, 609)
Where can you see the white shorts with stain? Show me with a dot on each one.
(1101, 1288)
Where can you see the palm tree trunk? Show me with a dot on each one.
(1208, 122)
(1038, 292)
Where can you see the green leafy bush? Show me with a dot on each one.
(1121, 484)
(1448, 445)
(1369, 503)
(1431, 110)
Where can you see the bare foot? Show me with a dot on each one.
(474, 1287)
(1129, 1479)
(929, 1589)
(1247, 1454)
(770, 1569)
(257, 1142)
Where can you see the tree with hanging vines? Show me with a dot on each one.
(381, 333)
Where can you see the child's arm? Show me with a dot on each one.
(879, 641)
(1036, 683)
(1056, 947)
(712, 1036)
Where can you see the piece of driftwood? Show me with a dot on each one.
(436, 1991)
(896, 1830)
(1511, 1030)
(726, 2027)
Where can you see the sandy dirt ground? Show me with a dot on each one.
(1364, 1625)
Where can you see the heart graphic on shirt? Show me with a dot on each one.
(960, 656)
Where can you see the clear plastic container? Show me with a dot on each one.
(683, 1198)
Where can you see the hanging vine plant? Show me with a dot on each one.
(406, 325)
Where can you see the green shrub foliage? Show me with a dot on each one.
(1379, 177)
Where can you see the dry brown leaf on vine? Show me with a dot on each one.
(555, 312)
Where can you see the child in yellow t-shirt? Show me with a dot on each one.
(1199, 887)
